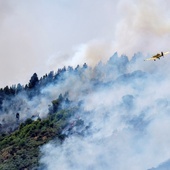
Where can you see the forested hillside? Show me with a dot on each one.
(115, 112)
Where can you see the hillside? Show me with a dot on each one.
(21, 148)
(115, 112)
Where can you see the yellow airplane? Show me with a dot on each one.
(157, 56)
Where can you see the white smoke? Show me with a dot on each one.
(129, 117)
(39, 36)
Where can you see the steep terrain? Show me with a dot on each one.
(112, 116)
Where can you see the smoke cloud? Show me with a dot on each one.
(128, 105)
(127, 112)
(44, 35)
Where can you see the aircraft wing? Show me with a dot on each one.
(150, 59)
(166, 53)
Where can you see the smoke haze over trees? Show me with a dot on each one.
(39, 36)
(96, 109)
(122, 113)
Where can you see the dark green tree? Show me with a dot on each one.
(33, 81)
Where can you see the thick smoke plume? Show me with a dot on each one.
(125, 105)
(39, 36)
(125, 101)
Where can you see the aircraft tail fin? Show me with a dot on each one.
(162, 54)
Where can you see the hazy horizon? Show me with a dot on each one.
(40, 36)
